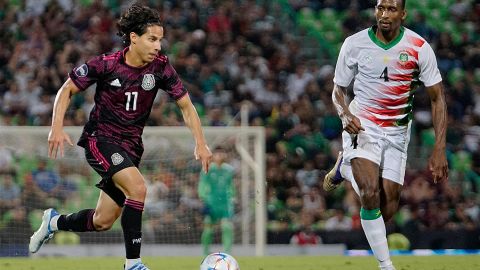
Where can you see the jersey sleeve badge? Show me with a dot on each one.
(82, 70)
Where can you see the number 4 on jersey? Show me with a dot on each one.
(385, 74)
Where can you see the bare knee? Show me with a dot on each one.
(130, 181)
(370, 197)
(137, 192)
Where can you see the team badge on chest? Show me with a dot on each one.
(403, 57)
(148, 82)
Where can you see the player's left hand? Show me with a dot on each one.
(203, 153)
(438, 165)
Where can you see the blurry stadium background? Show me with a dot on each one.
(275, 58)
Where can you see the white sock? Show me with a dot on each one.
(131, 262)
(377, 238)
(53, 223)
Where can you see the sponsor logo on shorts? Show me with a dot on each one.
(117, 159)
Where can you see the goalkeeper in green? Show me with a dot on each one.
(216, 190)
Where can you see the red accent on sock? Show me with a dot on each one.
(134, 204)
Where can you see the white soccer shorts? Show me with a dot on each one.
(386, 147)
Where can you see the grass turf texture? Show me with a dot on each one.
(248, 263)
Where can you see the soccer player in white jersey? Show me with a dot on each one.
(386, 61)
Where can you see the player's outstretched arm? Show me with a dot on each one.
(437, 163)
(190, 116)
(350, 122)
(57, 136)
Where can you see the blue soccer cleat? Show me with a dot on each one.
(334, 178)
(138, 266)
(44, 233)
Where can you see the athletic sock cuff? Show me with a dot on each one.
(134, 204)
(372, 214)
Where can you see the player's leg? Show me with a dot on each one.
(125, 185)
(99, 219)
(227, 234)
(393, 173)
(130, 181)
(83, 220)
(366, 174)
(389, 198)
(389, 193)
(207, 235)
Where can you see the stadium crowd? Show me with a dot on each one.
(230, 53)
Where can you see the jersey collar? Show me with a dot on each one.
(381, 44)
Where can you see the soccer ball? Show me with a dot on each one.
(219, 261)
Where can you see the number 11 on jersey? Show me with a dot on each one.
(130, 100)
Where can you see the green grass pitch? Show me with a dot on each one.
(249, 263)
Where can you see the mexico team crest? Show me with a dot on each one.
(148, 82)
(403, 57)
(117, 159)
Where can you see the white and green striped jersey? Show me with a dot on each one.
(386, 75)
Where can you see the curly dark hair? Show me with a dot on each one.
(136, 19)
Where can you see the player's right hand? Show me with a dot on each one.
(351, 124)
(56, 138)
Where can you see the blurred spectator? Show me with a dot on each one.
(305, 234)
(32, 197)
(297, 82)
(314, 203)
(445, 51)
(15, 101)
(459, 8)
(219, 21)
(46, 179)
(6, 158)
(308, 176)
(421, 27)
(339, 221)
(17, 229)
(218, 98)
(9, 193)
(155, 200)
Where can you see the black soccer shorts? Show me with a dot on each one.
(107, 159)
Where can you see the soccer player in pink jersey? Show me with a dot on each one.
(127, 83)
(386, 62)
